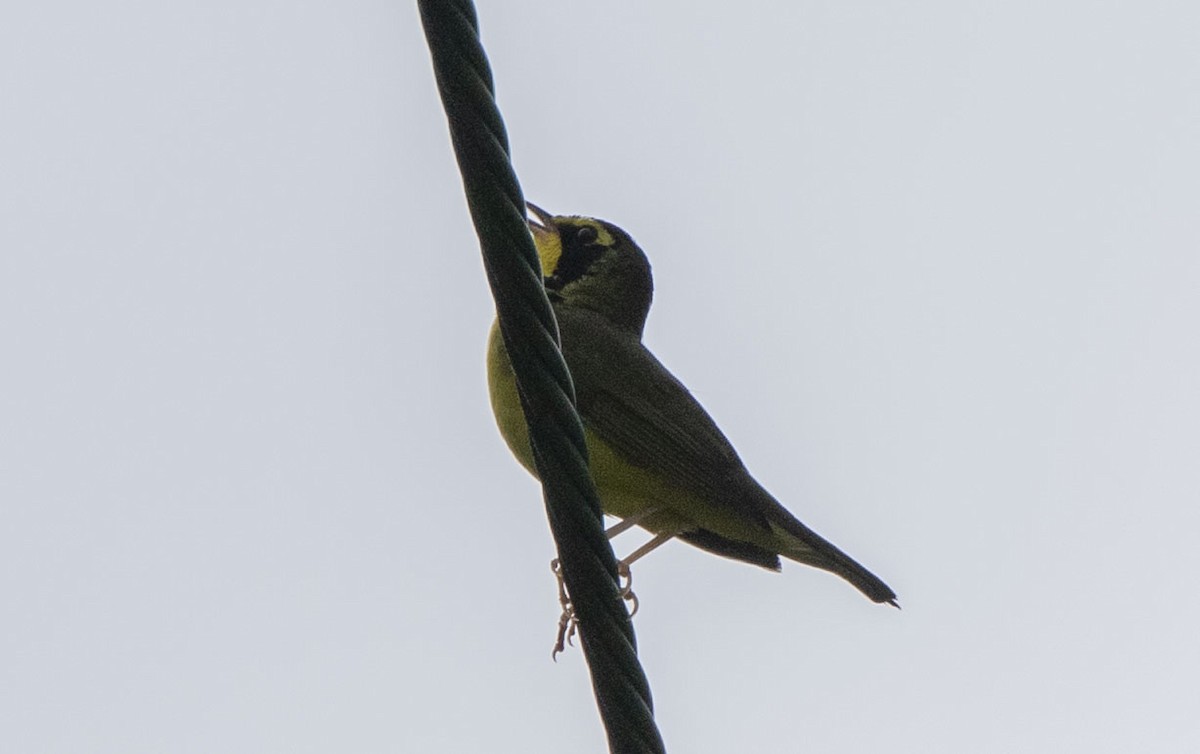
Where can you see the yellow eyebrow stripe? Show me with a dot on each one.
(603, 237)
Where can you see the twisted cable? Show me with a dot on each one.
(530, 334)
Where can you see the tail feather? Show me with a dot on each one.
(806, 546)
(836, 561)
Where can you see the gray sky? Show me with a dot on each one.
(932, 266)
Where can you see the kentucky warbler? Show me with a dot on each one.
(657, 458)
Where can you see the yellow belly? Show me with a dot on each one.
(624, 489)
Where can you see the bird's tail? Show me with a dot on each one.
(803, 545)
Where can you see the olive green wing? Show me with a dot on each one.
(630, 400)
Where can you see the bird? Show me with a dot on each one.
(657, 458)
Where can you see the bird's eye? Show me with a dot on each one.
(586, 235)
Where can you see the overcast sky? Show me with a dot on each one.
(934, 267)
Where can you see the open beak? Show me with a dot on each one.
(540, 221)
(545, 237)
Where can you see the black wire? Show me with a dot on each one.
(547, 395)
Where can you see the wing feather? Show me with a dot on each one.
(632, 402)
(629, 399)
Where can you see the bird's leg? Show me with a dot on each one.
(620, 527)
(625, 572)
(567, 621)
(629, 522)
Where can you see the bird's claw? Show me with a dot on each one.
(568, 622)
(625, 590)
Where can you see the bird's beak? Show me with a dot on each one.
(545, 237)
(541, 219)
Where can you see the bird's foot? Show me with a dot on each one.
(568, 622)
(625, 588)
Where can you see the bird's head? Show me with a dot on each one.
(593, 264)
